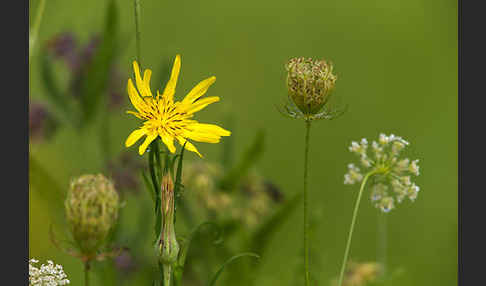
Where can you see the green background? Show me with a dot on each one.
(396, 63)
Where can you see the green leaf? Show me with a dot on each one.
(178, 180)
(263, 234)
(148, 186)
(153, 152)
(94, 77)
(250, 157)
(229, 261)
(55, 96)
(47, 188)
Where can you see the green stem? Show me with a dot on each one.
(35, 27)
(86, 273)
(137, 31)
(105, 135)
(306, 220)
(350, 235)
(167, 274)
(382, 241)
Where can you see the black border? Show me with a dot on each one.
(471, 192)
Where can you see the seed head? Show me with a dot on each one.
(92, 210)
(310, 83)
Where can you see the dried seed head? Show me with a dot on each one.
(310, 83)
(92, 210)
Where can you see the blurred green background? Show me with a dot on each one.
(396, 63)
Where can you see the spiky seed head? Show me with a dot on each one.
(91, 210)
(310, 83)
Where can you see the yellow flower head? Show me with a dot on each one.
(168, 119)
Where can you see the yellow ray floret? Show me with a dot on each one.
(167, 119)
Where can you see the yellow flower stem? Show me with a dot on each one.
(306, 220)
(353, 221)
(137, 31)
(35, 27)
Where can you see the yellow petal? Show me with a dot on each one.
(209, 128)
(143, 86)
(168, 141)
(138, 115)
(151, 137)
(146, 77)
(208, 133)
(199, 90)
(134, 136)
(135, 98)
(189, 145)
(200, 104)
(171, 84)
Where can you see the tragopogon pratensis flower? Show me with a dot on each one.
(46, 275)
(390, 175)
(168, 119)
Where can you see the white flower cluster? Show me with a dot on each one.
(390, 176)
(46, 275)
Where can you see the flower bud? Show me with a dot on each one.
(92, 210)
(168, 246)
(310, 83)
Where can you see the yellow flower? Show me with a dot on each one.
(168, 119)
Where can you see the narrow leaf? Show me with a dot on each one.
(95, 75)
(250, 157)
(184, 248)
(178, 180)
(149, 187)
(229, 261)
(263, 234)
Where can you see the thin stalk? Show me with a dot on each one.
(35, 27)
(167, 274)
(350, 235)
(382, 241)
(306, 219)
(137, 31)
(86, 273)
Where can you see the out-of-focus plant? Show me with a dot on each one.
(91, 205)
(46, 275)
(92, 71)
(248, 209)
(42, 124)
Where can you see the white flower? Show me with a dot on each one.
(386, 168)
(46, 275)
